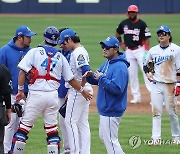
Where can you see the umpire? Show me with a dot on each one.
(5, 96)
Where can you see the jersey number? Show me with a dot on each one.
(45, 64)
(135, 38)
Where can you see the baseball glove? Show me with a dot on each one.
(151, 67)
(62, 109)
(17, 108)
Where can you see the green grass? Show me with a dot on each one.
(131, 125)
(93, 29)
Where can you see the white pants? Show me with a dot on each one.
(63, 128)
(135, 57)
(164, 93)
(45, 103)
(11, 128)
(108, 133)
(77, 124)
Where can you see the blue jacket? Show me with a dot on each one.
(10, 56)
(112, 92)
(62, 90)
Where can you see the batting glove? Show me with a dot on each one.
(177, 89)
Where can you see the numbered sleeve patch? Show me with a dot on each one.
(81, 60)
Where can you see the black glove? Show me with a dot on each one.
(62, 109)
(18, 109)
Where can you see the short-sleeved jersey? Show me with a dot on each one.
(38, 58)
(166, 62)
(79, 58)
(134, 33)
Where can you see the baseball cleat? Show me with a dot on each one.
(135, 101)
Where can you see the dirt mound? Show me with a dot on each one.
(143, 107)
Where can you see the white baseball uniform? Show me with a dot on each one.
(166, 63)
(135, 57)
(43, 97)
(77, 110)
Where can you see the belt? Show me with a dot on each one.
(134, 48)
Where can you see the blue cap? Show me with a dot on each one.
(164, 28)
(65, 34)
(24, 31)
(111, 41)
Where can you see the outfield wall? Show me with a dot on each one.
(87, 6)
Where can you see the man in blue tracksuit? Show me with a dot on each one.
(10, 55)
(112, 79)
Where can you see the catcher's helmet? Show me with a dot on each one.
(51, 35)
(133, 8)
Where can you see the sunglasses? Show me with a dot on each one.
(106, 47)
(162, 34)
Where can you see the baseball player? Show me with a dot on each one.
(112, 80)
(44, 66)
(166, 82)
(77, 110)
(136, 43)
(5, 96)
(10, 55)
(62, 93)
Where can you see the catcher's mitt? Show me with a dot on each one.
(62, 109)
(151, 67)
(18, 109)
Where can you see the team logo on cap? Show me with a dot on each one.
(28, 29)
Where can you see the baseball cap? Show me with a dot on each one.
(164, 28)
(111, 41)
(65, 34)
(24, 31)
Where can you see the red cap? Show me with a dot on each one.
(133, 8)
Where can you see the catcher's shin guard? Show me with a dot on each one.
(18, 142)
(53, 141)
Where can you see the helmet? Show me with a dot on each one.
(133, 8)
(51, 35)
(164, 28)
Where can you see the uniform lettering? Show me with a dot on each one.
(160, 59)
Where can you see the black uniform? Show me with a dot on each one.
(134, 33)
(5, 96)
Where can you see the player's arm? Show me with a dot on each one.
(21, 80)
(6, 86)
(122, 44)
(77, 86)
(146, 67)
(119, 32)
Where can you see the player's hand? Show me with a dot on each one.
(87, 74)
(97, 74)
(149, 76)
(177, 89)
(8, 115)
(87, 95)
(20, 95)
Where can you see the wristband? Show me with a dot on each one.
(20, 87)
(81, 89)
